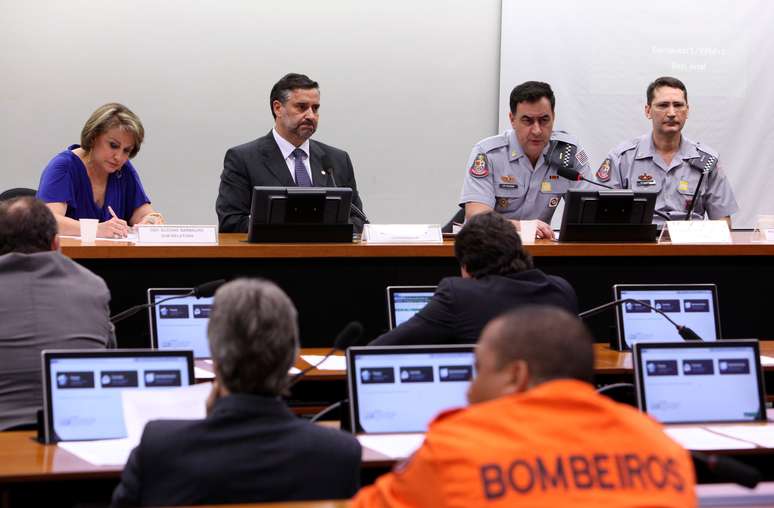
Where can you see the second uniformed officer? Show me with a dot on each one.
(515, 173)
(668, 163)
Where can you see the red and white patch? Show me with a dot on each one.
(603, 173)
(480, 167)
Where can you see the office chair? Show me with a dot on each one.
(17, 192)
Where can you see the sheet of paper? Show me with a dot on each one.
(402, 233)
(294, 370)
(395, 446)
(699, 438)
(131, 238)
(767, 361)
(760, 434)
(332, 363)
(140, 407)
(103, 452)
(200, 373)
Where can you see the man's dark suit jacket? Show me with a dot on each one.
(460, 308)
(250, 449)
(260, 163)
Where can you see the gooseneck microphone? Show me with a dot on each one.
(327, 165)
(686, 333)
(576, 176)
(205, 290)
(728, 469)
(347, 337)
(689, 215)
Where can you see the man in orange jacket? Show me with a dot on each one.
(538, 434)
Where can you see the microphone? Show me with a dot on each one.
(205, 290)
(727, 469)
(575, 176)
(686, 333)
(327, 165)
(695, 197)
(347, 337)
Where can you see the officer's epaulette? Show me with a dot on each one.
(564, 137)
(493, 142)
(624, 147)
(707, 150)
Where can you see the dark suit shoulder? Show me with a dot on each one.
(328, 442)
(256, 144)
(331, 150)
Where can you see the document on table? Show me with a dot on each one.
(331, 363)
(140, 407)
(760, 434)
(394, 446)
(699, 438)
(131, 238)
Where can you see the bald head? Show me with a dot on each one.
(26, 226)
(529, 346)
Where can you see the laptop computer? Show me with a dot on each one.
(691, 305)
(181, 323)
(700, 382)
(405, 301)
(82, 388)
(401, 388)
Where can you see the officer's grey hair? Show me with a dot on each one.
(253, 336)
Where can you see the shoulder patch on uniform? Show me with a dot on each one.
(706, 149)
(563, 154)
(705, 162)
(603, 173)
(480, 167)
(493, 142)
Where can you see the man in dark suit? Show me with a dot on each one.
(285, 157)
(497, 276)
(250, 448)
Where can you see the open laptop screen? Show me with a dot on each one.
(691, 305)
(402, 388)
(700, 382)
(181, 323)
(405, 301)
(82, 388)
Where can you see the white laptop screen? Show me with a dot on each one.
(402, 391)
(700, 383)
(405, 301)
(691, 307)
(180, 323)
(84, 392)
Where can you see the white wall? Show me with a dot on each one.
(407, 88)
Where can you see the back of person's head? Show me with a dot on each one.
(109, 116)
(529, 346)
(488, 244)
(554, 343)
(253, 336)
(26, 226)
(289, 82)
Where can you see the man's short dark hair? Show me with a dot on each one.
(26, 226)
(488, 244)
(253, 336)
(665, 81)
(282, 88)
(554, 343)
(531, 91)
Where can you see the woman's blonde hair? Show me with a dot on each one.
(107, 117)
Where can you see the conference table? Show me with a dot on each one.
(333, 284)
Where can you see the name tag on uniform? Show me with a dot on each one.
(508, 186)
(545, 187)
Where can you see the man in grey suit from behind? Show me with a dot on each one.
(47, 301)
(276, 159)
(250, 448)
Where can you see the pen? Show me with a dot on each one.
(110, 209)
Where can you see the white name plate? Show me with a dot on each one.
(173, 234)
(699, 231)
(402, 233)
(768, 234)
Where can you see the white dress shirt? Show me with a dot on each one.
(286, 147)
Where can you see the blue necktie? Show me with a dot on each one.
(302, 177)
